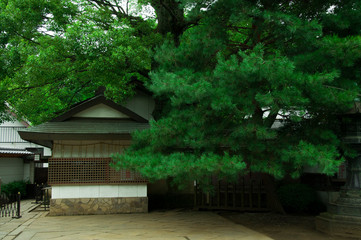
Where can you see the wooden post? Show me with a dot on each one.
(18, 197)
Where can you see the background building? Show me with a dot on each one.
(20, 159)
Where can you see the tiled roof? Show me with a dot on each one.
(45, 133)
(15, 151)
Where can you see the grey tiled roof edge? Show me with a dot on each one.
(15, 151)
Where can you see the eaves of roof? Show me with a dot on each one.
(45, 133)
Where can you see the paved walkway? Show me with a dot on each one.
(172, 225)
(10, 227)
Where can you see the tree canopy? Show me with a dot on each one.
(241, 85)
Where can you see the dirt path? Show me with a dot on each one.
(280, 227)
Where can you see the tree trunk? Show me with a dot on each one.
(170, 16)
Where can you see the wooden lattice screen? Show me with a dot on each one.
(247, 194)
(88, 171)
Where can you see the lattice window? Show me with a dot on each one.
(88, 171)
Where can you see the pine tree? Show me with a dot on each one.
(255, 86)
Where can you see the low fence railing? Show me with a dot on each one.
(42, 196)
(10, 205)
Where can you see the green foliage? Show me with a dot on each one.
(299, 198)
(14, 187)
(61, 51)
(225, 72)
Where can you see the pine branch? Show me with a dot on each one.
(338, 88)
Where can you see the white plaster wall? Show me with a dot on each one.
(88, 149)
(98, 191)
(11, 169)
(100, 111)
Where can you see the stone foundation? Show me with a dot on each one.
(91, 206)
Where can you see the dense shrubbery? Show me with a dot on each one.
(14, 188)
(299, 198)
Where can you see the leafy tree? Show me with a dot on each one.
(224, 72)
(56, 53)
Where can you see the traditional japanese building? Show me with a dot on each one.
(82, 141)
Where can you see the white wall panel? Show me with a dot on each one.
(108, 191)
(99, 191)
(100, 111)
(55, 191)
(142, 191)
(88, 191)
(69, 192)
(128, 191)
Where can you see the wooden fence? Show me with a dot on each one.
(10, 205)
(249, 193)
